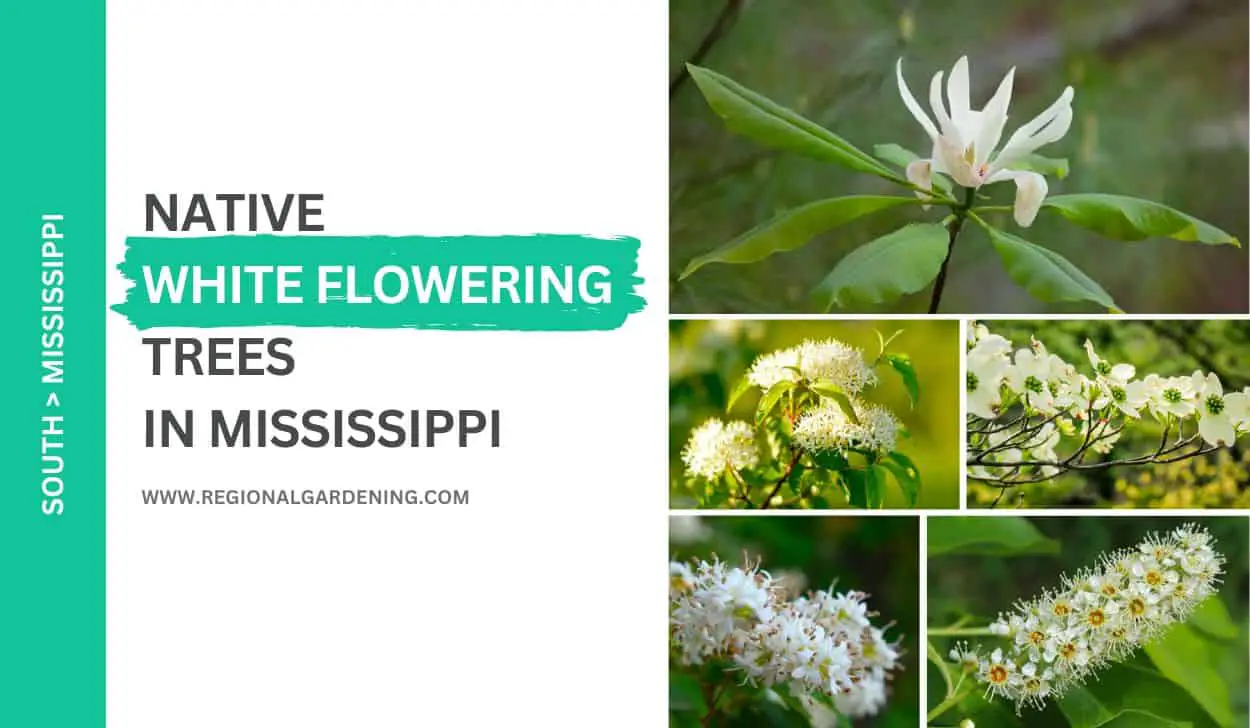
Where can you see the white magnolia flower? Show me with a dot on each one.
(715, 447)
(1061, 638)
(964, 139)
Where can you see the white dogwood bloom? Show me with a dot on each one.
(965, 139)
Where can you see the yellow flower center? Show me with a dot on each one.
(998, 674)
(1137, 607)
(1097, 617)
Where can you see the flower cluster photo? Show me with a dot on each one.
(811, 415)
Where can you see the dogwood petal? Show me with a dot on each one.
(1217, 430)
(912, 105)
(1237, 407)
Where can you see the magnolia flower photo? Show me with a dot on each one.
(1076, 413)
(793, 621)
(1142, 614)
(958, 157)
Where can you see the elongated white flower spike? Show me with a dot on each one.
(1063, 637)
(964, 139)
(821, 643)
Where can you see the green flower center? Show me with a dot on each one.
(973, 382)
(1118, 394)
(1215, 404)
(1033, 384)
(1172, 394)
(1104, 367)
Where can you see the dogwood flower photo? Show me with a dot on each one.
(1074, 413)
(966, 156)
(813, 415)
(1083, 621)
(793, 621)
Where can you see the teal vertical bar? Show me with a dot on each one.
(52, 556)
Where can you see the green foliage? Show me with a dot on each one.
(1187, 677)
(708, 362)
(795, 228)
(1045, 274)
(1168, 348)
(1127, 218)
(873, 554)
(905, 261)
(759, 118)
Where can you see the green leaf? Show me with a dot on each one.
(830, 460)
(794, 228)
(754, 116)
(1045, 274)
(1186, 659)
(894, 154)
(1128, 218)
(988, 535)
(906, 473)
(832, 391)
(864, 487)
(901, 262)
(1045, 166)
(769, 400)
(901, 363)
(742, 387)
(1212, 618)
(1127, 695)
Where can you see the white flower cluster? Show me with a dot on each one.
(1088, 407)
(820, 643)
(1100, 616)
(716, 446)
(813, 360)
(827, 427)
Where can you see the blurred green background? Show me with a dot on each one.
(874, 554)
(707, 358)
(1166, 348)
(978, 566)
(1161, 97)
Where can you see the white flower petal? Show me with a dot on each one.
(912, 105)
(994, 118)
(1046, 127)
(1217, 430)
(957, 94)
(939, 109)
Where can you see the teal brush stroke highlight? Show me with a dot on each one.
(369, 253)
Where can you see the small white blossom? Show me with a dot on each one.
(823, 643)
(827, 427)
(717, 446)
